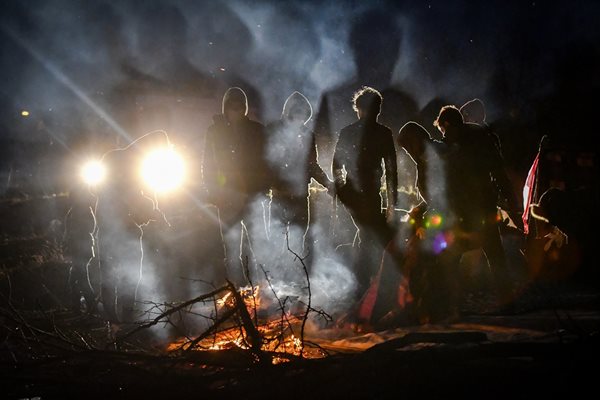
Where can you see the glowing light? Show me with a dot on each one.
(25, 113)
(93, 173)
(439, 243)
(163, 170)
(436, 220)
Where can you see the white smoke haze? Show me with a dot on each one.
(103, 66)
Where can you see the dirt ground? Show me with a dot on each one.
(546, 348)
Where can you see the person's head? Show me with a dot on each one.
(412, 138)
(473, 111)
(367, 103)
(297, 109)
(449, 121)
(235, 104)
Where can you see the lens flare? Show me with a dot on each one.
(163, 170)
(440, 243)
(436, 220)
(93, 172)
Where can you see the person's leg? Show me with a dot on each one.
(496, 256)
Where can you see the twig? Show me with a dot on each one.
(213, 328)
(173, 310)
(308, 307)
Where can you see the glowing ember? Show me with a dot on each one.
(277, 334)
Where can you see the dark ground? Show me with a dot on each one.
(547, 349)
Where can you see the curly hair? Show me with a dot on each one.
(368, 100)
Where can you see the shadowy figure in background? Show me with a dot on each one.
(358, 173)
(235, 168)
(475, 180)
(122, 211)
(228, 54)
(78, 246)
(163, 38)
(473, 111)
(375, 40)
(292, 154)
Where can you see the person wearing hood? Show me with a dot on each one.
(234, 167)
(292, 155)
(473, 111)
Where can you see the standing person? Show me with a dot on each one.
(234, 166)
(431, 285)
(475, 180)
(292, 154)
(473, 111)
(363, 154)
(121, 211)
(79, 228)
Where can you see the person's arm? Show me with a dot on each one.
(507, 197)
(314, 169)
(391, 175)
(339, 159)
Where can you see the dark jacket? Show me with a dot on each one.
(234, 158)
(360, 149)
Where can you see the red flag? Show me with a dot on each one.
(528, 191)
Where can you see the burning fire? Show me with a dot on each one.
(277, 333)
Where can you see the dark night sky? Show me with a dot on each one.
(78, 67)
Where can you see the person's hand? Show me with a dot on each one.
(331, 187)
(557, 237)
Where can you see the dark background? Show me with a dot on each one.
(104, 69)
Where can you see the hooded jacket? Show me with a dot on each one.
(234, 153)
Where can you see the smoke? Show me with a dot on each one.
(96, 74)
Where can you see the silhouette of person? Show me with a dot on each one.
(475, 174)
(292, 154)
(429, 282)
(120, 212)
(429, 113)
(362, 148)
(555, 252)
(234, 164)
(473, 111)
(375, 40)
(79, 226)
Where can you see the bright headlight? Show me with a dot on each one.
(93, 173)
(163, 170)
